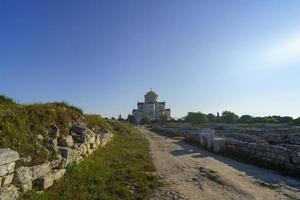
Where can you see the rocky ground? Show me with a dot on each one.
(193, 173)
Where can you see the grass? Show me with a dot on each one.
(121, 170)
(20, 126)
(179, 138)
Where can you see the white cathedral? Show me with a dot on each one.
(151, 109)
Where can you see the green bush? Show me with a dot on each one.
(196, 118)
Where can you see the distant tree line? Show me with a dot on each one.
(231, 117)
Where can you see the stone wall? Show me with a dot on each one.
(281, 151)
(70, 148)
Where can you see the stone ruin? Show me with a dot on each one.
(71, 148)
(272, 148)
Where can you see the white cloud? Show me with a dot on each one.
(283, 53)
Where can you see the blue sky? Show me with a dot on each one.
(102, 56)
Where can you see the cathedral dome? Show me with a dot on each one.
(151, 93)
(151, 97)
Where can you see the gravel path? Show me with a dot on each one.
(193, 173)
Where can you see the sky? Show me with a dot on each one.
(198, 55)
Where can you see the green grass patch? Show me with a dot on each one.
(20, 126)
(178, 138)
(121, 170)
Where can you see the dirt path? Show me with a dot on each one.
(195, 174)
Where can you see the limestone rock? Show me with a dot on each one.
(51, 144)
(8, 156)
(66, 141)
(40, 170)
(54, 133)
(69, 154)
(57, 174)
(11, 167)
(44, 182)
(23, 175)
(79, 138)
(25, 187)
(3, 170)
(9, 193)
(6, 180)
(40, 137)
(79, 129)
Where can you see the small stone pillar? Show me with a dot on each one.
(206, 137)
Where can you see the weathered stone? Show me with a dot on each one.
(79, 138)
(9, 193)
(51, 144)
(69, 154)
(40, 137)
(3, 170)
(57, 174)
(44, 182)
(11, 167)
(23, 175)
(40, 170)
(8, 156)
(1, 182)
(79, 129)
(219, 144)
(54, 132)
(25, 187)
(66, 141)
(6, 180)
(55, 163)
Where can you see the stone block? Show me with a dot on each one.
(79, 138)
(6, 180)
(55, 163)
(66, 141)
(54, 132)
(3, 170)
(8, 156)
(69, 154)
(1, 182)
(25, 187)
(23, 175)
(79, 129)
(9, 193)
(219, 144)
(11, 167)
(51, 144)
(58, 174)
(44, 182)
(40, 170)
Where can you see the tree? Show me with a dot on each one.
(296, 122)
(218, 117)
(163, 118)
(285, 119)
(270, 119)
(229, 117)
(211, 118)
(196, 118)
(6, 100)
(130, 119)
(248, 119)
(120, 118)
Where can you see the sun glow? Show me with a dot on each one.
(285, 53)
